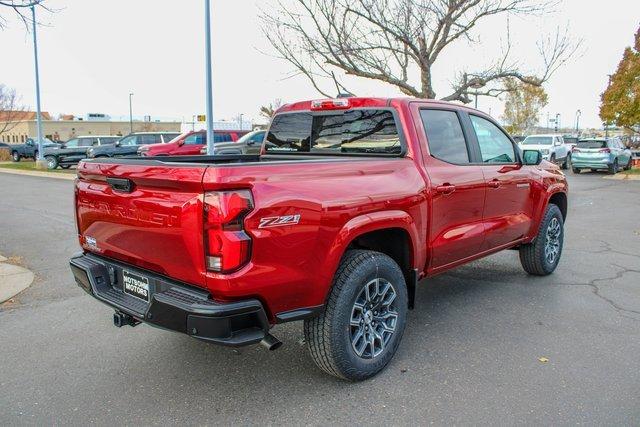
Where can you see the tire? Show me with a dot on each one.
(534, 256)
(565, 164)
(332, 337)
(613, 168)
(629, 164)
(65, 166)
(52, 162)
(15, 156)
(552, 159)
(575, 170)
(35, 155)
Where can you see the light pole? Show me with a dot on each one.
(557, 122)
(130, 113)
(241, 121)
(578, 114)
(476, 84)
(209, 88)
(40, 159)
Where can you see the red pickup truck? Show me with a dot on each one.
(189, 143)
(351, 202)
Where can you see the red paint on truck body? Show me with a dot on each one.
(159, 226)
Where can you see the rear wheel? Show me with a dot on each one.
(567, 161)
(629, 163)
(65, 166)
(52, 162)
(575, 170)
(541, 256)
(361, 327)
(613, 168)
(15, 156)
(552, 159)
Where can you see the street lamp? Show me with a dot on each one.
(476, 84)
(40, 158)
(209, 87)
(578, 114)
(130, 114)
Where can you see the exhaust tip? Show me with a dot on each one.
(271, 342)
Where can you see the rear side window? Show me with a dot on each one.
(444, 136)
(169, 136)
(366, 131)
(149, 139)
(220, 137)
(196, 139)
(87, 142)
(495, 146)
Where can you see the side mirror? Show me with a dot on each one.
(531, 157)
(117, 144)
(181, 143)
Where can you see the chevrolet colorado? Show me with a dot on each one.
(349, 204)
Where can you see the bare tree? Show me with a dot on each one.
(400, 41)
(19, 8)
(11, 110)
(267, 111)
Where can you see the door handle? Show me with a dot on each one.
(446, 188)
(494, 183)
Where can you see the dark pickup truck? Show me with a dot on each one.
(30, 149)
(74, 150)
(350, 204)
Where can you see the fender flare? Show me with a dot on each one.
(551, 191)
(366, 223)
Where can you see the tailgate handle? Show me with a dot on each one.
(122, 185)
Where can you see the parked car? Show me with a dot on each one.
(128, 145)
(30, 149)
(600, 153)
(74, 150)
(352, 203)
(251, 143)
(188, 144)
(551, 146)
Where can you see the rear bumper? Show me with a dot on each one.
(590, 163)
(172, 305)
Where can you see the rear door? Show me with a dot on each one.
(155, 224)
(508, 206)
(457, 188)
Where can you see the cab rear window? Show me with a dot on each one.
(366, 131)
(592, 144)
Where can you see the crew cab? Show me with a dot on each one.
(129, 145)
(351, 202)
(552, 147)
(189, 143)
(74, 150)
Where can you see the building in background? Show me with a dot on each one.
(63, 130)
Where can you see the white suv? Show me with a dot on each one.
(551, 146)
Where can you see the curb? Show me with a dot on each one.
(68, 177)
(623, 177)
(13, 280)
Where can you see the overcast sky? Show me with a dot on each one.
(93, 53)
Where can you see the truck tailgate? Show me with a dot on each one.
(156, 224)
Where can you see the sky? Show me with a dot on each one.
(94, 53)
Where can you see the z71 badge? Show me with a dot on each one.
(277, 221)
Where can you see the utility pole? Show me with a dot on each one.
(241, 121)
(578, 114)
(130, 114)
(557, 125)
(209, 86)
(40, 159)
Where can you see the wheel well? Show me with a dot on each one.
(560, 200)
(395, 243)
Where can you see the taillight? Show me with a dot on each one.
(227, 246)
(330, 104)
(604, 150)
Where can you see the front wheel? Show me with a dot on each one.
(15, 156)
(541, 256)
(52, 162)
(362, 324)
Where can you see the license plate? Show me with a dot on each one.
(135, 285)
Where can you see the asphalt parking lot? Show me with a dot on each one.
(470, 355)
